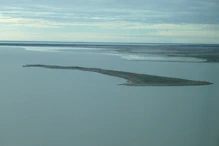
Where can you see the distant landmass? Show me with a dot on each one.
(208, 52)
(133, 79)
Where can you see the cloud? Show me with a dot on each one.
(116, 24)
(102, 37)
(26, 22)
(188, 33)
(185, 27)
(199, 33)
(82, 14)
(182, 11)
(140, 20)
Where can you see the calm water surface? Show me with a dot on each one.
(42, 107)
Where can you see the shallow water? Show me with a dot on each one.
(64, 107)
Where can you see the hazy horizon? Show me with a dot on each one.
(110, 42)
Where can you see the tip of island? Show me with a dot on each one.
(133, 79)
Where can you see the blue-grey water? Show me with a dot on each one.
(42, 107)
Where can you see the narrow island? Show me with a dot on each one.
(133, 79)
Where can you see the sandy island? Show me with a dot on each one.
(133, 79)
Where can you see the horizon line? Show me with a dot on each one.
(44, 42)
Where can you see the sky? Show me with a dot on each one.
(139, 21)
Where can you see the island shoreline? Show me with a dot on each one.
(133, 79)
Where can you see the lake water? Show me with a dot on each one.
(43, 107)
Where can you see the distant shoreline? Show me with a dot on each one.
(133, 79)
(208, 52)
